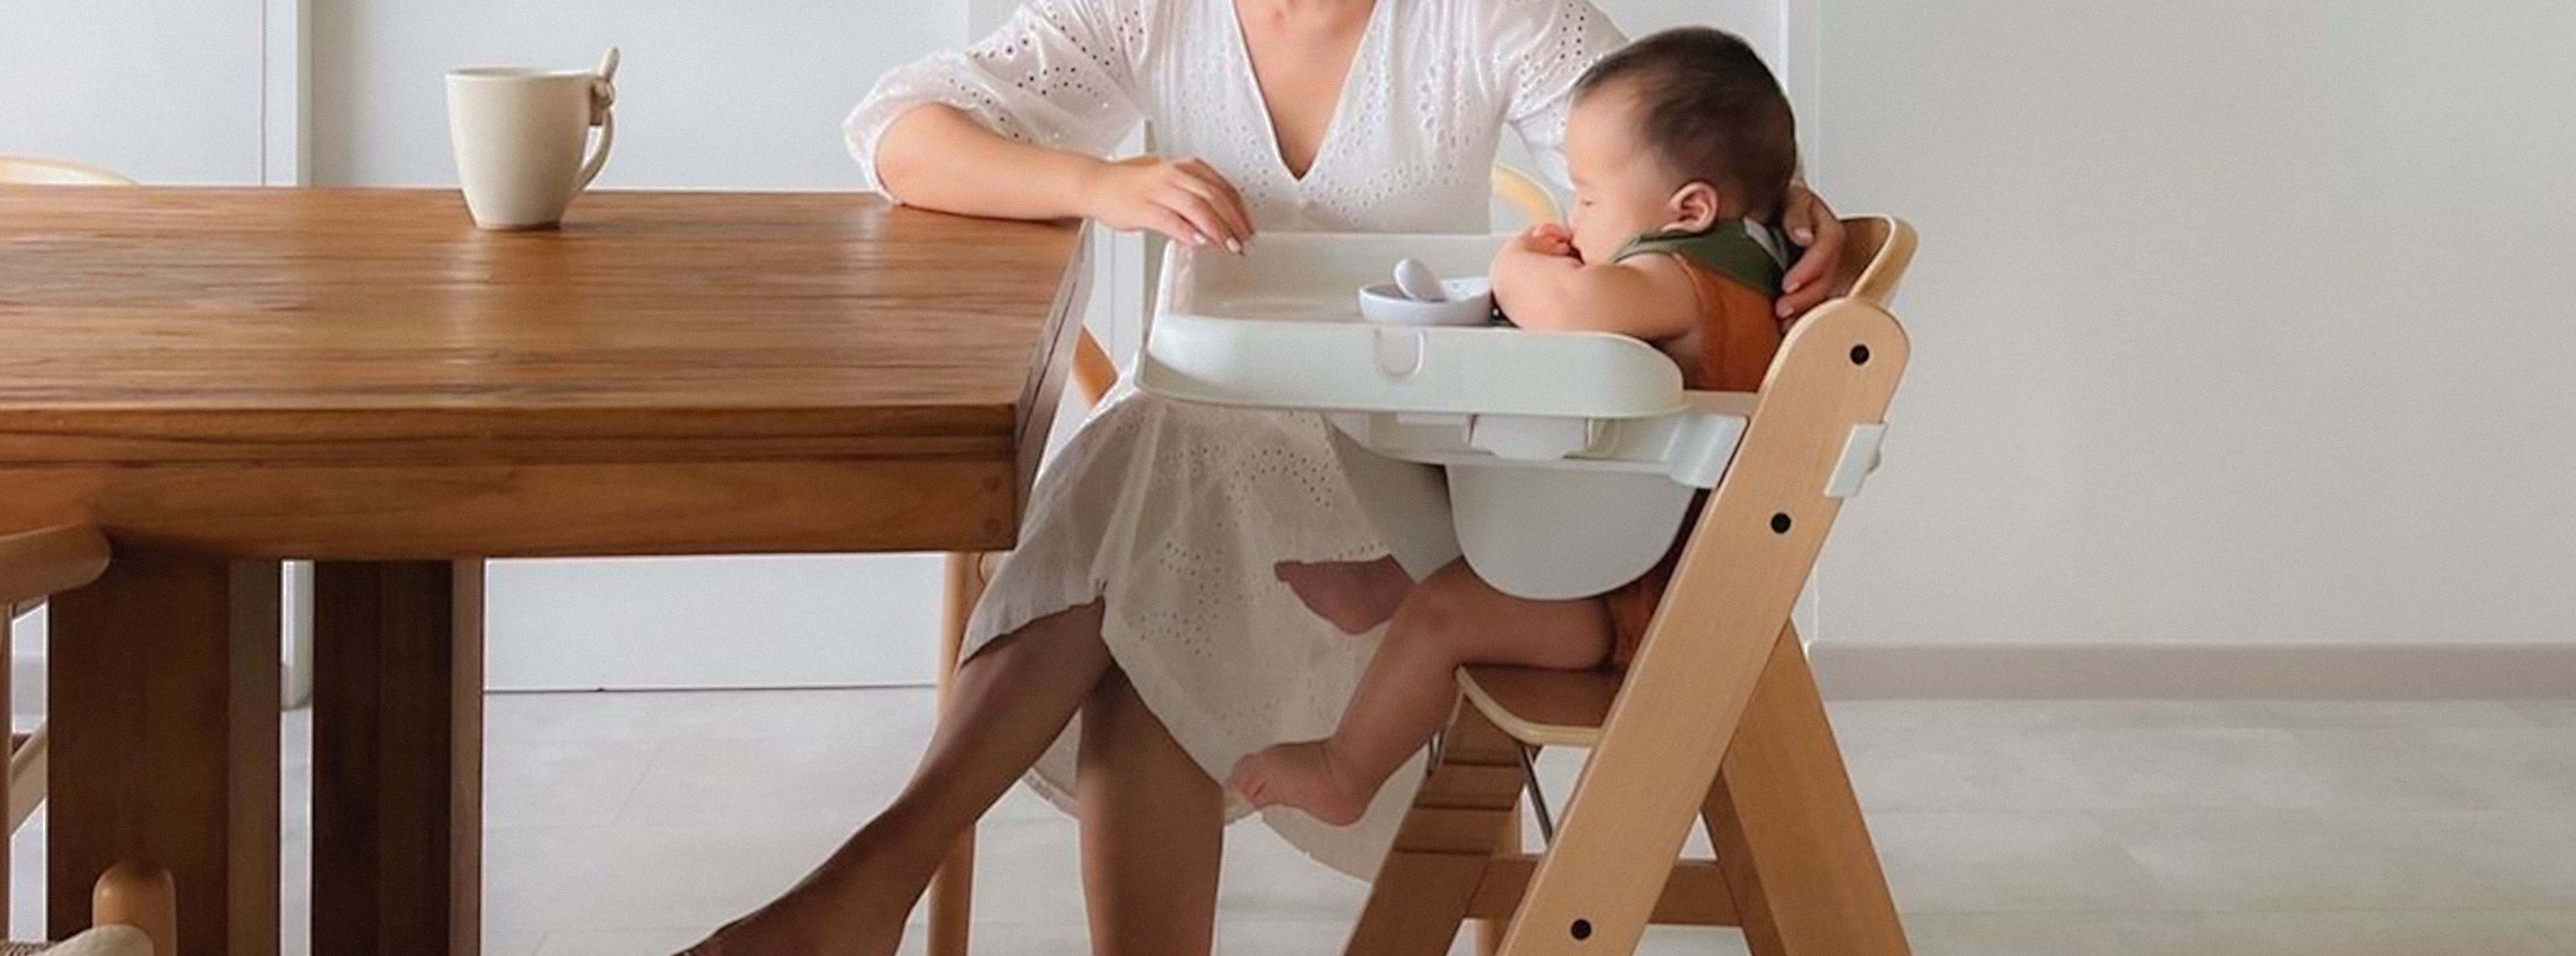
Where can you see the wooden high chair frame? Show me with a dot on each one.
(1094, 373)
(1717, 722)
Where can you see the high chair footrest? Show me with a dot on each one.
(1545, 708)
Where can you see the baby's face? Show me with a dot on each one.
(1621, 189)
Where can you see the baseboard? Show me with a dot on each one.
(2188, 671)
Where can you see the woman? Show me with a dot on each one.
(1146, 598)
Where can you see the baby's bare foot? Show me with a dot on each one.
(1304, 777)
(1356, 596)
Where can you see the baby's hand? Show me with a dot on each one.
(1547, 239)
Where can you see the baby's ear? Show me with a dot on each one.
(1696, 206)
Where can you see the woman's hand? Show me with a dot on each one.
(1183, 199)
(1813, 227)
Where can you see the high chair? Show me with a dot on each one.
(133, 909)
(1718, 721)
(1094, 373)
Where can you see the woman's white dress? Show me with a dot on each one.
(1176, 513)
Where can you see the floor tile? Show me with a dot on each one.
(2259, 861)
(615, 942)
(2448, 769)
(561, 783)
(2376, 934)
(631, 824)
(2547, 713)
(2073, 934)
(905, 712)
(2558, 925)
(2091, 769)
(792, 780)
(2010, 863)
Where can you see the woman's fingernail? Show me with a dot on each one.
(1234, 246)
(1804, 236)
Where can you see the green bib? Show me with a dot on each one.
(1726, 248)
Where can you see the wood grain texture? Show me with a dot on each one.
(637, 508)
(338, 324)
(1686, 694)
(1788, 830)
(1427, 885)
(163, 705)
(398, 757)
(952, 892)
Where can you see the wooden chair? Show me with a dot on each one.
(134, 908)
(1718, 722)
(1094, 373)
(29, 171)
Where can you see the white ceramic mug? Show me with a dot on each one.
(519, 137)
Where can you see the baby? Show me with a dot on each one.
(1681, 146)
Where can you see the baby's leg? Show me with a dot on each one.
(1451, 620)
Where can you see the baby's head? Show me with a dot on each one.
(1677, 131)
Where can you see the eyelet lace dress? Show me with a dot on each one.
(1175, 514)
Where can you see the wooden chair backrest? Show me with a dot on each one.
(36, 564)
(1876, 252)
(29, 171)
(1837, 369)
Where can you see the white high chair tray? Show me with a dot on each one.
(1568, 458)
(1280, 326)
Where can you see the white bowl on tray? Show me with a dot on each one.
(1471, 302)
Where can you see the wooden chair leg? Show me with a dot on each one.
(141, 897)
(1788, 829)
(27, 765)
(952, 893)
(1429, 880)
(1489, 931)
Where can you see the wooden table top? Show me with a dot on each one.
(153, 324)
(209, 366)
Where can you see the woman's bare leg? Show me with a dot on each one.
(1010, 702)
(1153, 830)
(1453, 619)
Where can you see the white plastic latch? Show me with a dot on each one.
(1399, 351)
(1860, 457)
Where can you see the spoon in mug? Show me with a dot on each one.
(1418, 282)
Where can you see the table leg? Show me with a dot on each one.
(397, 758)
(163, 706)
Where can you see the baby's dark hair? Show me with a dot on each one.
(1711, 110)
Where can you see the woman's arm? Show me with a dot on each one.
(937, 157)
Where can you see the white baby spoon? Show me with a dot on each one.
(1418, 282)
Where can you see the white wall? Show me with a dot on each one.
(162, 91)
(710, 94)
(2237, 319)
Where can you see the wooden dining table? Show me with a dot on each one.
(226, 379)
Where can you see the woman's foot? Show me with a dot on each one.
(1356, 596)
(811, 920)
(1303, 776)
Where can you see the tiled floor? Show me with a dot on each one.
(628, 823)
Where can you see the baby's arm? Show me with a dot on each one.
(1542, 284)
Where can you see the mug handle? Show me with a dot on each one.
(603, 96)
